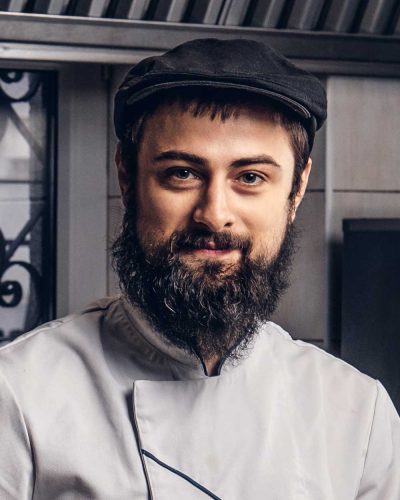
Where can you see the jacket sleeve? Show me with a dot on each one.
(16, 465)
(381, 475)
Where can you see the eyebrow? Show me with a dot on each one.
(181, 156)
(201, 162)
(255, 160)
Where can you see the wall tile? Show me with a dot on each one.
(363, 133)
(302, 311)
(362, 205)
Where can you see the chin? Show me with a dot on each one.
(211, 270)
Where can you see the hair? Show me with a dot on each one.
(216, 103)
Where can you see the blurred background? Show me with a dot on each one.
(60, 64)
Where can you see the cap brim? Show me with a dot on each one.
(287, 101)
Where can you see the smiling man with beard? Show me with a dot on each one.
(208, 276)
(182, 387)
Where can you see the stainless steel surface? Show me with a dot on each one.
(63, 53)
(117, 41)
(16, 5)
(53, 7)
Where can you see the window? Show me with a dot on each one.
(27, 200)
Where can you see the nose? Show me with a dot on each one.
(213, 209)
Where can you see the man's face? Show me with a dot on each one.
(195, 173)
(207, 237)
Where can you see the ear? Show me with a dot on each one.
(303, 186)
(123, 177)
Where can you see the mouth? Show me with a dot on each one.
(210, 250)
(205, 252)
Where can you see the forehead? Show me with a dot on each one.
(246, 130)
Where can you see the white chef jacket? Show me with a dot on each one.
(98, 406)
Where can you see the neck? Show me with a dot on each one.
(212, 366)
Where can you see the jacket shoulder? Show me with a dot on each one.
(314, 365)
(42, 347)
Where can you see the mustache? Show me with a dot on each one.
(201, 238)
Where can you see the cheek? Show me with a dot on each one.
(266, 224)
(162, 211)
(266, 211)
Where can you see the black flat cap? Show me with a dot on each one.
(240, 64)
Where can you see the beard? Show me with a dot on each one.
(207, 308)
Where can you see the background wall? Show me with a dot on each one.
(362, 158)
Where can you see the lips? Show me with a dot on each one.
(208, 245)
(210, 251)
(213, 250)
(211, 245)
(204, 243)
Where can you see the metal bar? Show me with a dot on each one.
(53, 56)
(50, 89)
(14, 5)
(340, 15)
(377, 16)
(131, 9)
(91, 8)
(26, 133)
(24, 231)
(170, 10)
(305, 14)
(349, 68)
(41, 56)
(205, 12)
(158, 36)
(52, 7)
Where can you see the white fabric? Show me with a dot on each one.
(81, 397)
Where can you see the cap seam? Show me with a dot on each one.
(260, 84)
(295, 105)
(225, 76)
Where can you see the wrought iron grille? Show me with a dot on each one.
(27, 194)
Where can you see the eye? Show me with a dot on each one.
(250, 178)
(182, 174)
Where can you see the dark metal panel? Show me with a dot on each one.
(90, 8)
(267, 14)
(131, 9)
(325, 49)
(371, 225)
(53, 7)
(305, 14)
(349, 68)
(377, 16)
(234, 12)
(397, 27)
(13, 5)
(371, 295)
(170, 10)
(340, 15)
(206, 12)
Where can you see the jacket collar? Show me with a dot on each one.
(132, 326)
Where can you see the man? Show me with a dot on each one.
(181, 388)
